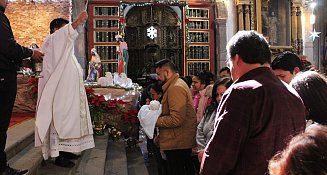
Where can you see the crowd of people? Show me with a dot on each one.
(257, 117)
(254, 111)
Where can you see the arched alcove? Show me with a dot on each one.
(143, 50)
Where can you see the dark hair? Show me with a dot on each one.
(166, 63)
(224, 69)
(205, 77)
(227, 82)
(287, 61)
(57, 23)
(251, 46)
(187, 79)
(312, 88)
(306, 153)
(156, 86)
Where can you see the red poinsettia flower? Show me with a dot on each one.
(89, 90)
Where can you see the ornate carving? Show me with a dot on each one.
(246, 9)
(298, 11)
(240, 9)
(145, 51)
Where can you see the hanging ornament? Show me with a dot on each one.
(314, 34)
(152, 32)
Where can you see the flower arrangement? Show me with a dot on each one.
(119, 116)
(33, 87)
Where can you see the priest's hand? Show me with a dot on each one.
(81, 19)
(83, 16)
(37, 55)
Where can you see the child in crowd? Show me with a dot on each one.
(148, 116)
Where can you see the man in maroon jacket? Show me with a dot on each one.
(11, 55)
(257, 114)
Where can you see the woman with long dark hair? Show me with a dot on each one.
(205, 127)
(312, 88)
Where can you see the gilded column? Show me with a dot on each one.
(240, 12)
(247, 17)
(258, 15)
(299, 31)
(253, 25)
(293, 27)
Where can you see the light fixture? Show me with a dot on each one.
(313, 5)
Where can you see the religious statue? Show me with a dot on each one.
(107, 80)
(122, 51)
(273, 22)
(94, 67)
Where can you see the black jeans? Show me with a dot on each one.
(179, 162)
(8, 89)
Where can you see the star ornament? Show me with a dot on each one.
(152, 32)
(314, 34)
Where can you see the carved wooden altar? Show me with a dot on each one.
(143, 50)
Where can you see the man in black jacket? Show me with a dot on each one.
(11, 55)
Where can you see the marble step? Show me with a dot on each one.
(19, 137)
(20, 150)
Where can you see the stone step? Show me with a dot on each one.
(93, 161)
(116, 162)
(19, 137)
(20, 150)
(29, 158)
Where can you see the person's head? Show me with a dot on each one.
(188, 80)
(312, 88)
(306, 153)
(147, 100)
(286, 65)
(247, 50)
(57, 24)
(218, 90)
(165, 69)
(220, 87)
(224, 72)
(3, 3)
(201, 80)
(156, 91)
(119, 38)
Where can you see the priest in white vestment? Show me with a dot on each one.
(63, 121)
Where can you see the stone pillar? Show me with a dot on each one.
(221, 42)
(299, 31)
(80, 42)
(222, 14)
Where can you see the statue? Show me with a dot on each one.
(107, 80)
(122, 51)
(273, 22)
(94, 67)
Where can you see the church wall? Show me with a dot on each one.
(30, 21)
